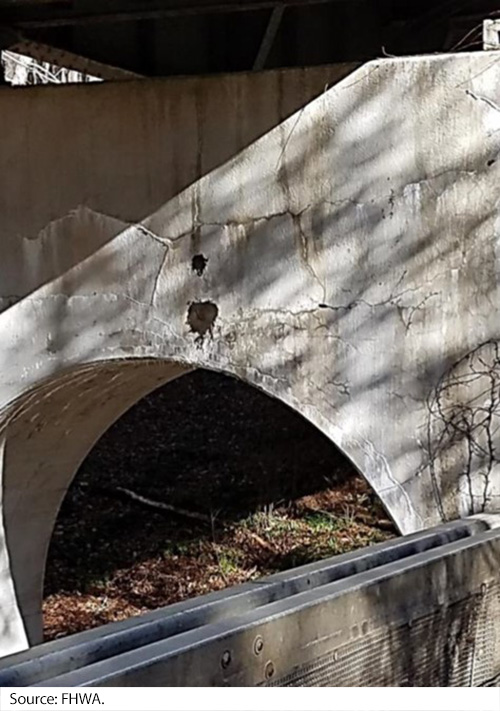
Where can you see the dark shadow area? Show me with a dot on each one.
(248, 485)
(210, 36)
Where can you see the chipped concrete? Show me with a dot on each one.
(120, 150)
(199, 263)
(201, 318)
(352, 272)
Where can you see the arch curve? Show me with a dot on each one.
(46, 435)
(318, 299)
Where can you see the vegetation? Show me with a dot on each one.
(161, 559)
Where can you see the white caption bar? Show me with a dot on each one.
(252, 699)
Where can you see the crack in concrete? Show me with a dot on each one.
(413, 310)
(304, 243)
(392, 197)
(149, 233)
(344, 387)
(253, 315)
(391, 299)
(158, 275)
(488, 102)
(269, 376)
(394, 299)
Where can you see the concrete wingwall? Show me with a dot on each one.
(122, 149)
(81, 163)
(345, 263)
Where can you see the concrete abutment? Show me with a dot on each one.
(346, 263)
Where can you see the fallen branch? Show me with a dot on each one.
(157, 505)
(258, 539)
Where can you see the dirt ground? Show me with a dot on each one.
(272, 491)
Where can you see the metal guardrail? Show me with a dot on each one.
(423, 610)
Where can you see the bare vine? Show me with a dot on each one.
(464, 422)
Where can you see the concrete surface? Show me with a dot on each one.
(346, 263)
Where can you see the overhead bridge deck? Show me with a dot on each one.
(423, 610)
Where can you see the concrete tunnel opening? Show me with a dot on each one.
(205, 483)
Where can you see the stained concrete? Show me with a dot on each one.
(121, 150)
(349, 269)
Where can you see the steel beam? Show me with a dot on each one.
(297, 625)
(429, 620)
(269, 37)
(47, 17)
(69, 60)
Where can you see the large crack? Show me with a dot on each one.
(391, 197)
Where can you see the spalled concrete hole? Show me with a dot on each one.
(201, 317)
(198, 264)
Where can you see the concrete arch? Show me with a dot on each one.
(46, 436)
(345, 263)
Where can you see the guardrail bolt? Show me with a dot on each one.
(225, 659)
(258, 645)
(269, 670)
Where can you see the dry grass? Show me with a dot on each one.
(173, 563)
